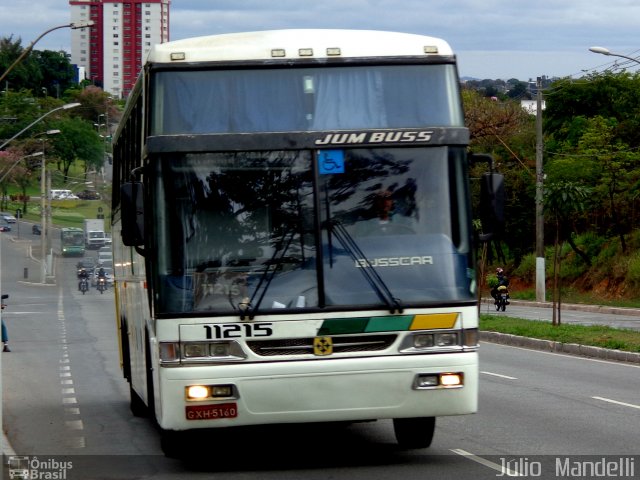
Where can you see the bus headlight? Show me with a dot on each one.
(437, 341)
(196, 350)
(175, 353)
(423, 340)
(195, 393)
(432, 381)
(448, 339)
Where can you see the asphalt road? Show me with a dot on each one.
(64, 399)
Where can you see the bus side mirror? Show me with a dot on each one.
(492, 199)
(132, 214)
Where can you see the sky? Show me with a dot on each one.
(493, 39)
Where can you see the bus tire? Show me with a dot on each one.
(173, 443)
(136, 404)
(414, 432)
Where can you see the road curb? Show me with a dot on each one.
(572, 306)
(560, 347)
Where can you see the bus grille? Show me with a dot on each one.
(304, 346)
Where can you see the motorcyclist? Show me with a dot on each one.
(102, 276)
(503, 281)
(82, 275)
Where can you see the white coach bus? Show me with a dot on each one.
(293, 234)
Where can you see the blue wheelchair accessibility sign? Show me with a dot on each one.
(330, 161)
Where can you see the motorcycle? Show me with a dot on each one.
(84, 285)
(102, 284)
(502, 298)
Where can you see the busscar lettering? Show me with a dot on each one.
(417, 136)
(395, 261)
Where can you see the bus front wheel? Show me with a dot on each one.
(414, 432)
(137, 405)
(173, 443)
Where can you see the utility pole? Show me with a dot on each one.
(540, 261)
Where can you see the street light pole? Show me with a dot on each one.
(540, 260)
(605, 51)
(43, 210)
(26, 51)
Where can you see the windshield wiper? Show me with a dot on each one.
(267, 276)
(370, 273)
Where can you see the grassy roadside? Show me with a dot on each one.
(595, 335)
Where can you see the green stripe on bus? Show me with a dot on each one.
(345, 326)
(388, 324)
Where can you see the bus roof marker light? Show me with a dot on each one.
(278, 52)
(176, 56)
(430, 49)
(305, 52)
(334, 52)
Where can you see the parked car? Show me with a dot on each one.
(4, 227)
(36, 230)
(89, 195)
(8, 217)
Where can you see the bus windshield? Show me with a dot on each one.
(72, 237)
(260, 231)
(305, 99)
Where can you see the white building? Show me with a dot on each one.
(113, 51)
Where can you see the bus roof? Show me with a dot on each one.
(298, 44)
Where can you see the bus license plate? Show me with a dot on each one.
(212, 412)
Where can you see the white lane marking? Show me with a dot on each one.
(69, 400)
(499, 375)
(74, 424)
(617, 402)
(566, 355)
(487, 463)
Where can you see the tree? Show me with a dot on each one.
(607, 94)
(563, 200)
(26, 74)
(96, 104)
(56, 71)
(618, 171)
(77, 139)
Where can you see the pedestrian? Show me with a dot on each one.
(5, 334)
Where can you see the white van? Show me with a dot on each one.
(60, 194)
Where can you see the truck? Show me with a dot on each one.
(94, 235)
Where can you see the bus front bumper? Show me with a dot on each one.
(333, 390)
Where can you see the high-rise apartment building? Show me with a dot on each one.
(112, 52)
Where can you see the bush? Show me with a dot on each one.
(633, 269)
(527, 268)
